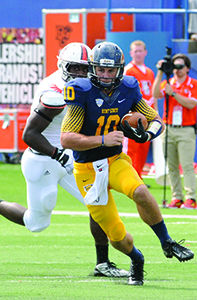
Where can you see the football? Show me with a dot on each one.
(132, 119)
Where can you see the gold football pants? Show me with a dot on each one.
(122, 178)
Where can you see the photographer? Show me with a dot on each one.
(180, 118)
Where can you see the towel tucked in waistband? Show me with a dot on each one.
(98, 193)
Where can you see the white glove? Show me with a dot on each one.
(69, 165)
(64, 158)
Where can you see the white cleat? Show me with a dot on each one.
(109, 269)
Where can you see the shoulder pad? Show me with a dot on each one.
(130, 81)
(53, 99)
(82, 84)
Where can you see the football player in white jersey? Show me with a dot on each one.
(45, 164)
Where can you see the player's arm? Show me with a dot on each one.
(187, 102)
(71, 137)
(40, 119)
(37, 122)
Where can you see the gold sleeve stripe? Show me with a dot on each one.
(73, 119)
(145, 109)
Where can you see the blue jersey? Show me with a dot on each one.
(102, 113)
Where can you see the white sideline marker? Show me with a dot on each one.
(131, 215)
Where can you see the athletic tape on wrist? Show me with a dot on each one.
(154, 129)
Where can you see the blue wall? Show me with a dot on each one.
(28, 13)
(31, 10)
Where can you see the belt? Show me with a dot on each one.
(180, 126)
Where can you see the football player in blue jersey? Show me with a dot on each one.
(45, 165)
(92, 128)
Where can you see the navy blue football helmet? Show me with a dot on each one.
(106, 54)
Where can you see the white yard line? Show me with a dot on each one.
(134, 215)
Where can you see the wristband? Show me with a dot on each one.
(173, 94)
(154, 129)
(102, 144)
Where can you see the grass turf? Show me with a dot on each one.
(58, 263)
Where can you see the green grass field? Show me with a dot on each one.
(58, 263)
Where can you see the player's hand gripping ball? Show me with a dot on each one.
(133, 117)
(134, 127)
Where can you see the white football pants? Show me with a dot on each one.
(42, 175)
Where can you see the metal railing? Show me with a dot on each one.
(160, 11)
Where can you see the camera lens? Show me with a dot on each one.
(178, 66)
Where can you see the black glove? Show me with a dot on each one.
(137, 134)
(60, 156)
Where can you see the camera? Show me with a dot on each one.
(167, 66)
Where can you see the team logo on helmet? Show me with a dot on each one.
(107, 62)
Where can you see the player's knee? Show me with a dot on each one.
(38, 227)
(117, 232)
(141, 194)
(36, 221)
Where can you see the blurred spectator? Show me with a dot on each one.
(8, 35)
(145, 76)
(21, 35)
